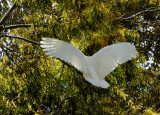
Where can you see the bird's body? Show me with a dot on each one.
(95, 67)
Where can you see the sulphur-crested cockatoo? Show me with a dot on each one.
(95, 67)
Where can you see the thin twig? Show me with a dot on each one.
(7, 13)
(3, 48)
(15, 26)
(30, 41)
(36, 43)
(137, 14)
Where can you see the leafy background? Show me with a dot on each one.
(33, 83)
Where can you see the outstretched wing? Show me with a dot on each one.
(64, 51)
(108, 58)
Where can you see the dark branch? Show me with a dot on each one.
(30, 41)
(137, 14)
(15, 26)
(36, 43)
(8, 13)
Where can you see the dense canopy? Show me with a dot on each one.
(33, 83)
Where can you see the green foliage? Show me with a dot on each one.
(32, 83)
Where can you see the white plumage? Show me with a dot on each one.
(95, 67)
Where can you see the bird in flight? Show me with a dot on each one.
(96, 67)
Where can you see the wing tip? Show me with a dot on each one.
(47, 40)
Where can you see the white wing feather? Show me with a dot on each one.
(68, 53)
(64, 51)
(108, 58)
(94, 68)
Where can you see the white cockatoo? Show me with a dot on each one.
(95, 67)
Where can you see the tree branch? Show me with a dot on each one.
(15, 26)
(137, 14)
(36, 43)
(30, 41)
(7, 13)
